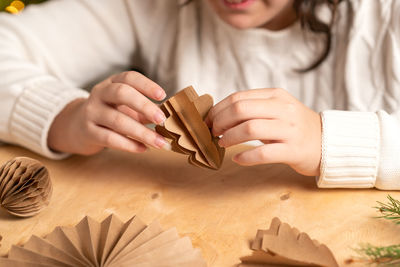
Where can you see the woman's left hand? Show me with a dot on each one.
(290, 131)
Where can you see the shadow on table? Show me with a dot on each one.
(172, 170)
(169, 169)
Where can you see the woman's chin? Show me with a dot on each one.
(240, 22)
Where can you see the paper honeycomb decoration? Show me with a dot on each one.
(25, 186)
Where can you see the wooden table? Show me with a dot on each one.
(219, 210)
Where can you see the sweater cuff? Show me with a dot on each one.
(37, 106)
(350, 149)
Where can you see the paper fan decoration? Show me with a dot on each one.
(187, 131)
(109, 243)
(284, 245)
(25, 186)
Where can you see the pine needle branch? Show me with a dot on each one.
(378, 255)
(390, 210)
(382, 256)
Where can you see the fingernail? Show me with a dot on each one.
(160, 118)
(160, 95)
(162, 143)
(214, 133)
(221, 142)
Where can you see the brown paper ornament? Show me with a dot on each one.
(107, 243)
(283, 245)
(186, 130)
(25, 186)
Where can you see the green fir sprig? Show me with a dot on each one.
(380, 255)
(390, 210)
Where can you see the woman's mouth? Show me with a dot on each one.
(238, 4)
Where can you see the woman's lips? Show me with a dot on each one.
(238, 4)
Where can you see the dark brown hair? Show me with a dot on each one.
(306, 11)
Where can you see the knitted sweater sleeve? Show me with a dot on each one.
(361, 149)
(47, 54)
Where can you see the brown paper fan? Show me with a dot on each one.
(187, 131)
(109, 243)
(284, 245)
(25, 186)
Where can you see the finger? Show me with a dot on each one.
(107, 138)
(248, 109)
(126, 126)
(123, 94)
(260, 129)
(265, 154)
(134, 114)
(238, 96)
(141, 83)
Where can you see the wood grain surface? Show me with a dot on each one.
(219, 210)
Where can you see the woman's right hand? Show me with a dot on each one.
(113, 116)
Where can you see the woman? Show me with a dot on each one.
(336, 116)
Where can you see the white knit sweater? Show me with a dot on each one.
(51, 51)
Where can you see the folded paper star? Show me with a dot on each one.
(186, 130)
(109, 243)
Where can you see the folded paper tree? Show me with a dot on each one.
(109, 243)
(186, 130)
(25, 186)
(284, 245)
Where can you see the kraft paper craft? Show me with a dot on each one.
(109, 243)
(284, 245)
(25, 186)
(186, 130)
